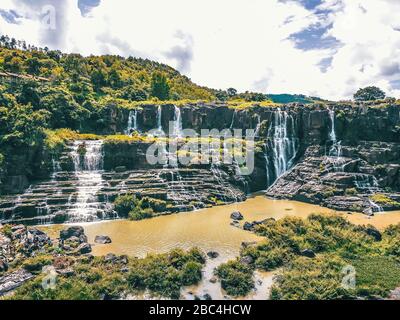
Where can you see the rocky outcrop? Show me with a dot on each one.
(14, 280)
(183, 189)
(345, 182)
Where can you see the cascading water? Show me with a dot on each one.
(258, 127)
(132, 122)
(336, 148)
(178, 131)
(332, 133)
(88, 161)
(281, 147)
(284, 145)
(233, 119)
(369, 184)
(159, 120)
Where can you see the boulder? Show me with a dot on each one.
(66, 272)
(371, 231)
(3, 265)
(36, 232)
(110, 258)
(124, 269)
(236, 215)
(14, 280)
(213, 280)
(84, 248)
(207, 297)
(395, 294)
(123, 259)
(248, 226)
(246, 260)
(212, 254)
(75, 231)
(102, 239)
(307, 253)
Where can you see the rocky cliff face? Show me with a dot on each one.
(344, 156)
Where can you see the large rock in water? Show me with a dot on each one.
(236, 215)
(102, 239)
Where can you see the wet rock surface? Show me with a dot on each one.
(347, 182)
(102, 239)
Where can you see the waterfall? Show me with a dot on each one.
(159, 120)
(217, 174)
(233, 119)
(281, 146)
(332, 134)
(88, 162)
(258, 127)
(178, 131)
(369, 184)
(284, 146)
(375, 206)
(336, 148)
(132, 122)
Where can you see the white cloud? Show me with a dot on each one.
(243, 44)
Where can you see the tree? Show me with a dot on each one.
(369, 94)
(221, 95)
(159, 86)
(232, 92)
(33, 65)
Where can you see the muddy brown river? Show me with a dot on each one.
(208, 229)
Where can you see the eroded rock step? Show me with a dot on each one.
(67, 198)
(348, 183)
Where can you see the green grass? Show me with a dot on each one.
(377, 275)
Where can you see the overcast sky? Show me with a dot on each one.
(326, 48)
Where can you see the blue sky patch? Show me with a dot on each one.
(10, 16)
(313, 38)
(310, 4)
(86, 5)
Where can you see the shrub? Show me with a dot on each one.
(36, 264)
(351, 191)
(6, 230)
(138, 208)
(165, 274)
(236, 278)
(191, 273)
(124, 204)
(140, 214)
(272, 259)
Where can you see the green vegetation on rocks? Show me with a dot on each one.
(138, 208)
(310, 256)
